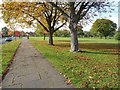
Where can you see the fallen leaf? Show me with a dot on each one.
(68, 82)
(90, 77)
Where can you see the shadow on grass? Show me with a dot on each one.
(103, 52)
(78, 40)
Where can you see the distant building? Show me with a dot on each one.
(17, 34)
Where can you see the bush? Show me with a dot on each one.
(117, 35)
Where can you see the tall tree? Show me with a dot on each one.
(53, 18)
(5, 31)
(117, 35)
(29, 12)
(78, 12)
(105, 27)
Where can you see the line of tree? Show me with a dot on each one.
(117, 34)
(7, 32)
(53, 15)
(62, 33)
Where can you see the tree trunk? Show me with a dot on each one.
(27, 37)
(44, 36)
(100, 37)
(50, 38)
(74, 38)
(105, 37)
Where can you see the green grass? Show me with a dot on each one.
(8, 50)
(95, 67)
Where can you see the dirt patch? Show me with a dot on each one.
(100, 47)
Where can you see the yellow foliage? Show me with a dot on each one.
(10, 33)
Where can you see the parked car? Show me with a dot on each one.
(8, 39)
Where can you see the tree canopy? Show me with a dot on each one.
(5, 31)
(117, 35)
(104, 27)
(30, 13)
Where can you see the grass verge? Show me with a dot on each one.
(8, 51)
(96, 67)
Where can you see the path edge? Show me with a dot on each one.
(10, 63)
(60, 73)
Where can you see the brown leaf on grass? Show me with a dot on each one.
(81, 58)
(64, 75)
(68, 82)
(90, 77)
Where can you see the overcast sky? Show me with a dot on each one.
(114, 18)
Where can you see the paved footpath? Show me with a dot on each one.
(31, 70)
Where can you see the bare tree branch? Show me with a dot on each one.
(37, 21)
(59, 27)
(77, 5)
(54, 18)
(59, 9)
(82, 7)
(87, 10)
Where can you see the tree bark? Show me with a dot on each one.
(50, 38)
(44, 36)
(100, 37)
(105, 37)
(74, 38)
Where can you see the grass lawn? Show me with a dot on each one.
(96, 67)
(8, 50)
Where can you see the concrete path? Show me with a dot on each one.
(31, 70)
